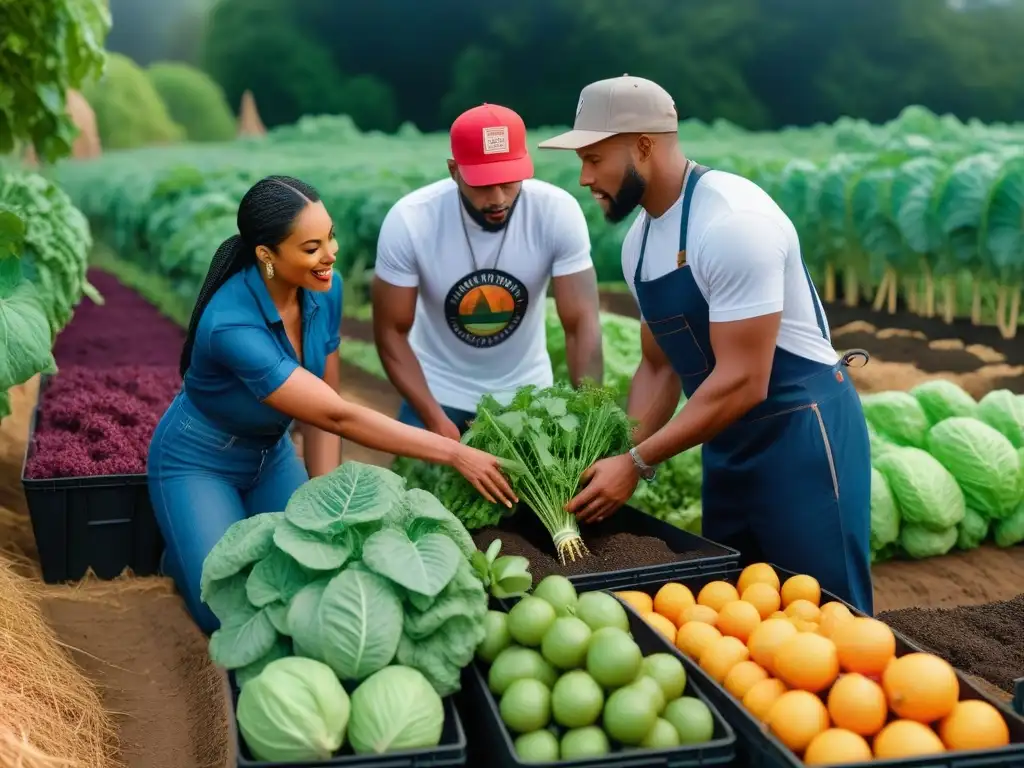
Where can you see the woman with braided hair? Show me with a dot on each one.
(262, 350)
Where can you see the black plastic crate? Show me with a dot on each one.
(105, 523)
(712, 556)
(491, 744)
(757, 748)
(1018, 695)
(451, 751)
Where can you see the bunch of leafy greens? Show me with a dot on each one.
(358, 572)
(547, 439)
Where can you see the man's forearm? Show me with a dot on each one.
(717, 403)
(405, 373)
(653, 397)
(583, 354)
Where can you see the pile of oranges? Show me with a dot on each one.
(826, 683)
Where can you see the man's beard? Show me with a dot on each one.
(479, 216)
(630, 194)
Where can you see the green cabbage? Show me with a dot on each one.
(393, 710)
(926, 493)
(1010, 530)
(941, 399)
(1004, 411)
(885, 516)
(972, 530)
(294, 711)
(879, 444)
(984, 463)
(920, 542)
(896, 416)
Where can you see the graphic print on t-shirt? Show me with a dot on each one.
(485, 308)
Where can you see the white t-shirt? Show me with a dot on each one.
(479, 326)
(744, 254)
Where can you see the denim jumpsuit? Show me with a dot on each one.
(219, 454)
(790, 482)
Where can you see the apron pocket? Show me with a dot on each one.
(676, 339)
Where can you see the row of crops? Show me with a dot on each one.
(923, 213)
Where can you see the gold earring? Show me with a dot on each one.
(270, 271)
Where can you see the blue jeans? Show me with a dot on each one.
(201, 480)
(461, 419)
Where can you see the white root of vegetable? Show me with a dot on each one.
(570, 548)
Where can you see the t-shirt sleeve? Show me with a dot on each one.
(569, 237)
(743, 262)
(396, 257)
(252, 354)
(334, 307)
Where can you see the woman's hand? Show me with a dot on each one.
(484, 472)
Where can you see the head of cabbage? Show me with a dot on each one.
(294, 711)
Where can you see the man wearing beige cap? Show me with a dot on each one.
(730, 316)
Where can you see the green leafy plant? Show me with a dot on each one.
(547, 439)
(45, 49)
(357, 572)
(505, 577)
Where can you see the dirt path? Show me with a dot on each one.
(134, 639)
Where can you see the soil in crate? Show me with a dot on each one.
(981, 640)
(125, 330)
(135, 640)
(610, 546)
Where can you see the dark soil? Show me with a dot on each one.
(136, 641)
(125, 330)
(362, 330)
(982, 640)
(893, 349)
(611, 544)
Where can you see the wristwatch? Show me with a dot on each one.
(645, 471)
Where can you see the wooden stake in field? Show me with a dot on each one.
(249, 122)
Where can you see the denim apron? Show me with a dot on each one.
(790, 482)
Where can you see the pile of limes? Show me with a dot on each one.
(572, 683)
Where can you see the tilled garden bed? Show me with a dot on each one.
(982, 640)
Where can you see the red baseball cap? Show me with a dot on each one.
(489, 146)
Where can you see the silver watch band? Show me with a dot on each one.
(646, 472)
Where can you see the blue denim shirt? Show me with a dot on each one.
(242, 353)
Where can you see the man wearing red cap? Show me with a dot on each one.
(462, 273)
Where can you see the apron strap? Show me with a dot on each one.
(696, 171)
(819, 313)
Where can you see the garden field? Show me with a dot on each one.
(913, 234)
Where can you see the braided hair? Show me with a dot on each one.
(265, 217)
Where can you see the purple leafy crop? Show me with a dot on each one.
(95, 422)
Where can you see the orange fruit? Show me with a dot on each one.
(804, 610)
(766, 638)
(831, 619)
(698, 613)
(805, 626)
(694, 637)
(858, 704)
(715, 594)
(662, 625)
(759, 699)
(837, 746)
(671, 600)
(835, 607)
(779, 615)
(974, 724)
(796, 718)
(738, 619)
(757, 573)
(762, 596)
(906, 738)
(865, 645)
(801, 587)
(921, 687)
(807, 661)
(743, 677)
(640, 601)
(721, 656)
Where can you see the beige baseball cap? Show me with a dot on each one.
(618, 105)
